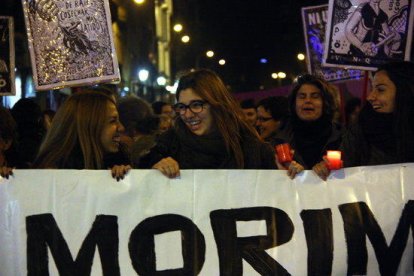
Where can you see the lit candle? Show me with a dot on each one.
(334, 158)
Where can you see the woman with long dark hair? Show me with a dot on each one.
(384, 132)
(210, 131)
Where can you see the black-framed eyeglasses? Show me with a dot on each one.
(264, 119)
(194, 106)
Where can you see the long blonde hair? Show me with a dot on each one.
(227, 113)
(74, 138)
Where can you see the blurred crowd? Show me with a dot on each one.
(208, 129)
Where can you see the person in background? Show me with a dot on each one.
(8, 138)
(249, 110)
(384, 131)
(352, 109)
(210, 131)
(310, 129)
(160, 107)
(166, 123)
(270, 113)
(141, 127)
(30, 128)
(85, 129)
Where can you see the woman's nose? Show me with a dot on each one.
(120, 127)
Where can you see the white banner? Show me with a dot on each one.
(70, 42)
(208, 222)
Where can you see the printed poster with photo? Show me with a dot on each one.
(70, 42)
(7, 56)
(365, 34)
(314, 25)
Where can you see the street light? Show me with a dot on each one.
(139, 2)
(185, 39)
(161, 81)
(274, 76)
(281, 75)
(222, 62)
(301, 56)
(210, 54)
(143, 75)
(178, 28)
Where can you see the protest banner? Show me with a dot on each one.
(7, 56)
(70, 42)
(208, 222)
(364, 34)
(314, 21)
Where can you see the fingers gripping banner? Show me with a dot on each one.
(208, 222)
(70, 42)
(364, 34)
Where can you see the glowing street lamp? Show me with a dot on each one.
(274, 76)
(139, 2)
(210, 54)
(301, 56)
(143, 75)
(178, 28)
(161, 81)
(281, 75)
(222, 62)
(185, 39)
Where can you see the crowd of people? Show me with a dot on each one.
(208, 129)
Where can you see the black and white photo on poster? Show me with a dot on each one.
(314, 26)
(7, 56)
(70, 42)
(365, 34)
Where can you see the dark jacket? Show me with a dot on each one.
(286, 135)
(198, 152)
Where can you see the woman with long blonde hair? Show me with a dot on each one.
(84, 130)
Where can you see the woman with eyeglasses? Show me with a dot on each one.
(384, 131)
(210, 131)
(310, 129)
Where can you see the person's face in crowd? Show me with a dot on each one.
(165, 123)
(110, 136)
(309, 103)
(266, 124)
(382, 95)
(251, 115)
(199, 121)
(168, 110)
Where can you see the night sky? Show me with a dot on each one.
(242, 32)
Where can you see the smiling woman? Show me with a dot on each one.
(384, 132)
(83, 131)
(210, 131)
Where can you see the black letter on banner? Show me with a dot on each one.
(232, 249)
(142, 247)
(319, 238)
(42, 231)
(358, 222)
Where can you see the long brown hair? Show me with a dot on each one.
(226, 112)
(74, 138)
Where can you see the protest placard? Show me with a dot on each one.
(70, 42)
(365, 34)
(7, 56)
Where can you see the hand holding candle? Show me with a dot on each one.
(334, 159)
(284, 154)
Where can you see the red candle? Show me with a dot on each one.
(334, 158)
(284, 153)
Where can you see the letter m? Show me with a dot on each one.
(359, 222)
(42, 231)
